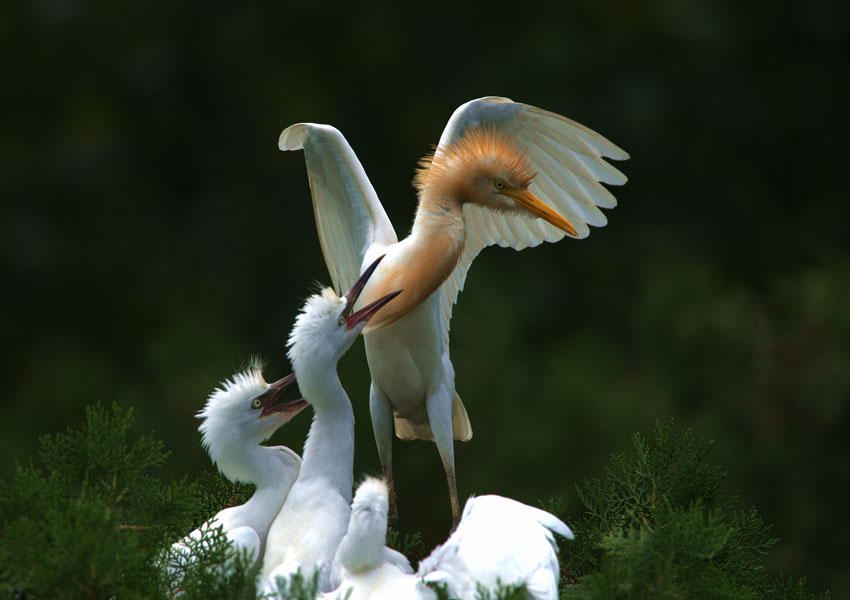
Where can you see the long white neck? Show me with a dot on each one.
(329, 449)
(273, 470)
(362, 548)
(246, 462)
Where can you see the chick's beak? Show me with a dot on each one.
(364, 314)
(531, 203)
(268, 399)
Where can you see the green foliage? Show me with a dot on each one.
(502, 592)
(788, 589)
(216, 492)
(208, 566)
(89, 522)
(440, 589)
(92, 521)
(409, 544)
(658, 525)
(297, 587)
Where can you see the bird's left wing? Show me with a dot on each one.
(349, 216)
(569, 161)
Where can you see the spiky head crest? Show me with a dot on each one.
(482, 153)
(232, 426)
(318, 339)
(372, 494)
(230, 399)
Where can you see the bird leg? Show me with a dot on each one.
(392, 508)
(382, 425)
(450, 476)
(439, 407)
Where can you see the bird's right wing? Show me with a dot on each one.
(349, 216)
(569, 161)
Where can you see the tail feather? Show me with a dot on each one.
(461, 427)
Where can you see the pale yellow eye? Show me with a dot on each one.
(342, 319)
(257, 403)
(499, 184)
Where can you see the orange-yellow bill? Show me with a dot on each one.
(528, 201)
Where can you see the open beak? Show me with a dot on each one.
(531, 203)
(269, 397)
(364, 314)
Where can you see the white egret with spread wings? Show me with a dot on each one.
(503, 173)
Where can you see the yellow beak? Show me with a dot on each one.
(531, 203)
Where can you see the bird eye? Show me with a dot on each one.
(499, 184)
(257, 403)
(342, 319)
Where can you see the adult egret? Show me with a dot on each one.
(307, 531)
(238, 416)
(503, 173)
(498, 541)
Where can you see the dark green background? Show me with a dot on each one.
(153, 237)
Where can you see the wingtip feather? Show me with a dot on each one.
(292, 138)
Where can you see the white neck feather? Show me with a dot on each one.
(362, 548)
(247, 463)
(329, 449)
(276, 471)
(273, 470)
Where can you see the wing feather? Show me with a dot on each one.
(499, 540)
(570, 162)
(562, 175)
(349, 217)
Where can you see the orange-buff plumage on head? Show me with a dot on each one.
(481, 152)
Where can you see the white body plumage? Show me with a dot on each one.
(237, 418)
(307, 531)
(504, 173)
(498, 541)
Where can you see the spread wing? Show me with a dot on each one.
(349, 216)
(570, 165)
(499, 540)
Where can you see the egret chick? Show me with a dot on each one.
(365, 571)
(238, 416)
(504, 173)
(498, 541)
(307, 531)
